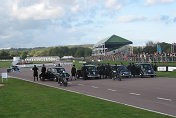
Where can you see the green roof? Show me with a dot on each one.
(113, 42)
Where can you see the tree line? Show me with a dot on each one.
(151, 48)
(53, 51)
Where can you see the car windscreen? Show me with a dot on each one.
(91, 68)
(122, 68)
(146, 66)
(59, 70)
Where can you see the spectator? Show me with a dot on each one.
(73, 72)
(35, 72)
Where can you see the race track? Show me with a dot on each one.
(153, 94)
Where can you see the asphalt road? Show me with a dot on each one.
(153, 94)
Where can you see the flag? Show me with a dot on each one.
(159, 50)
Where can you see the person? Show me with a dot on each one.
(84, 72)
(98, 69)
(155, 67)
(59, 65)
(43, 70)
(35, 72)
(133, 70)
(102, 71)
(73, 72)
(108, 70)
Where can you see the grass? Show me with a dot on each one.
(20, 99)
(77, 64)
(5, 64)
(167, 74)
(41, 62)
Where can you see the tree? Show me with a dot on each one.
(24, 54)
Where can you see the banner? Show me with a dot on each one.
(159, 50)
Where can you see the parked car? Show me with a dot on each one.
(13, 69)
(54, 73)
(122, 70)
(145, 69)
(92, 72)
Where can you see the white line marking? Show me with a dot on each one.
(69, 82)
(99, 98)
(94, 87)
(112, 90)
(81, 84)
(134, 94)
(164, 99)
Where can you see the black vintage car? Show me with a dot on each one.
(122, 71)
(54, 73)
(145, 69)
(92, 72)
(13, 69)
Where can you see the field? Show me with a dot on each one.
(20, 99)
(5, 64)
(167, 74)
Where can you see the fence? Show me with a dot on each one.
(136, 58)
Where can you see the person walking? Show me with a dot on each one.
(73, 72)
(35, 72)
(43, 70)
(84, 72)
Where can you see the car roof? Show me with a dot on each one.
(89, 65)
(57, 67)
(142, 63)
(118, 65)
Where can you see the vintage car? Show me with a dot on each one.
(92, 72)
(54, 73)
(145, 69)
(13, 69)
(121, 70)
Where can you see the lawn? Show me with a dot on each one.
(167, 74)
(5, 64)
(20, 99)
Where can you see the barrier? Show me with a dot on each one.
(166, 68)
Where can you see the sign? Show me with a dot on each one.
(171, 68)
(161, 68)
(4, 76)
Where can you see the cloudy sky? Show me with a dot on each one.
(38, 23)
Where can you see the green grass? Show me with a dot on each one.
(5, 64)
(77, 64)
(20, 99)
(167, 74)
(41, 62)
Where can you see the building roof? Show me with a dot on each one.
(113, 42)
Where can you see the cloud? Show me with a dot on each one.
(174, 19)
(152, 2)
(113, 4)
(36, 11)
(130, 18)
(75, 8)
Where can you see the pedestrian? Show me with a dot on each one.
(84, 72)
(155, 67)
(73, 72)
(108, 70)
(102, 71)
(43, 70)
(35, 72)
(98, 69)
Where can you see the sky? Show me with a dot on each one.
(46, 23)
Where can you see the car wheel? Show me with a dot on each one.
(152, 76)
(42, 78)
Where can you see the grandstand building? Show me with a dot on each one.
(112, 45)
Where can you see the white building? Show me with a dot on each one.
(49, 58)
(67, 57)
